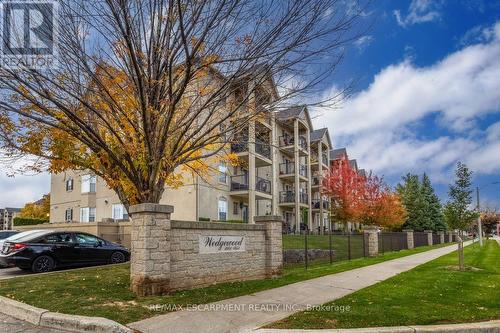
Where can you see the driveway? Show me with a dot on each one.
(9, 273)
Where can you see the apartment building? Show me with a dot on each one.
(282, 163)
(283, 159)
(7, 216)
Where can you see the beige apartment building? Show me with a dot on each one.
(7, 216)
(283, 161)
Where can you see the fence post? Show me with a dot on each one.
(349, 245)
(450, 237)
(306, 259)
(441, 237)
(429, 237)
(410, 241)
(372, 232)
(330, 247)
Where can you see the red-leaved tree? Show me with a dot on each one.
(345, 186)
(364, 199)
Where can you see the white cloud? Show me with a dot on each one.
(420, 11)
(382, 126)
(362, 42)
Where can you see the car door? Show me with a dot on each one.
(92, 249)
(62, 246)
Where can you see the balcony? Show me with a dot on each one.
(287, 170)
(288, 197)
(315, 181)
(316, 204)
(287, 143)
(262, 185)
(240, 183)
(262, 152)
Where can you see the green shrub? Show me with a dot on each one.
(204, 219)
(18, 221)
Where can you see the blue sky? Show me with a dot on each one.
(427, 96)
(428, 92)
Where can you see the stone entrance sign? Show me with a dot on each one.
(218, 244)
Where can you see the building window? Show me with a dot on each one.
(88, 183)
(119, 212)
(69, 184)
(69, 215)
(87, 214)
(222, 172)
(222, 209)
(236, 206)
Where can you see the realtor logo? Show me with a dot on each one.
(29, 31)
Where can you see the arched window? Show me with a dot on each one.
(222, 207)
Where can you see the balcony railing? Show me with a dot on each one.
(263, 185)
(325, 159)
(288, 140)
(289, 197)
(315, 181)
(263, 149)
(240, 183)
(289, 169)
(239, 147)
(316, 203)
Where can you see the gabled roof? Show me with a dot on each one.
(335, 154)
(353, 164)
(296, 111)
(319, 134)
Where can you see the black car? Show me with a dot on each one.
(43, 252)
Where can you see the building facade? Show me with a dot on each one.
(7, 216)
(283, 161)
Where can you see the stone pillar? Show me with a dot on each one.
(409, 238)
(371, 240)
(429, 236)
(150, 250)
(450, 237)
(441, 237)
(274, 243)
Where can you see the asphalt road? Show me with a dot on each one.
(8, 273)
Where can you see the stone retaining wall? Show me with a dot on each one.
(191, 269)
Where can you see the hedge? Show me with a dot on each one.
(18, 221)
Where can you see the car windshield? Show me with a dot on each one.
(32, 236)
(25, 234)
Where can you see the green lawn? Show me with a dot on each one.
(433, 293)
(104, 291)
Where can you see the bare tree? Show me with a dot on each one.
(144, 87)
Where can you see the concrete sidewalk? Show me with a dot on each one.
(245, 313)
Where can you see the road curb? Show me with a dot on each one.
(480, 327)
(70, 323)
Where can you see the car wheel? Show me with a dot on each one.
(117, 258)
(43, 264)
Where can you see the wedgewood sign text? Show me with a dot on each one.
(218, 244)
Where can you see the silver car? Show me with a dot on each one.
(18, 235)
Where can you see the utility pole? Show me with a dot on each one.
(479, 226)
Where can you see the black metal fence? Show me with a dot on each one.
(436, 239)
(308, 249)
(392, 241)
